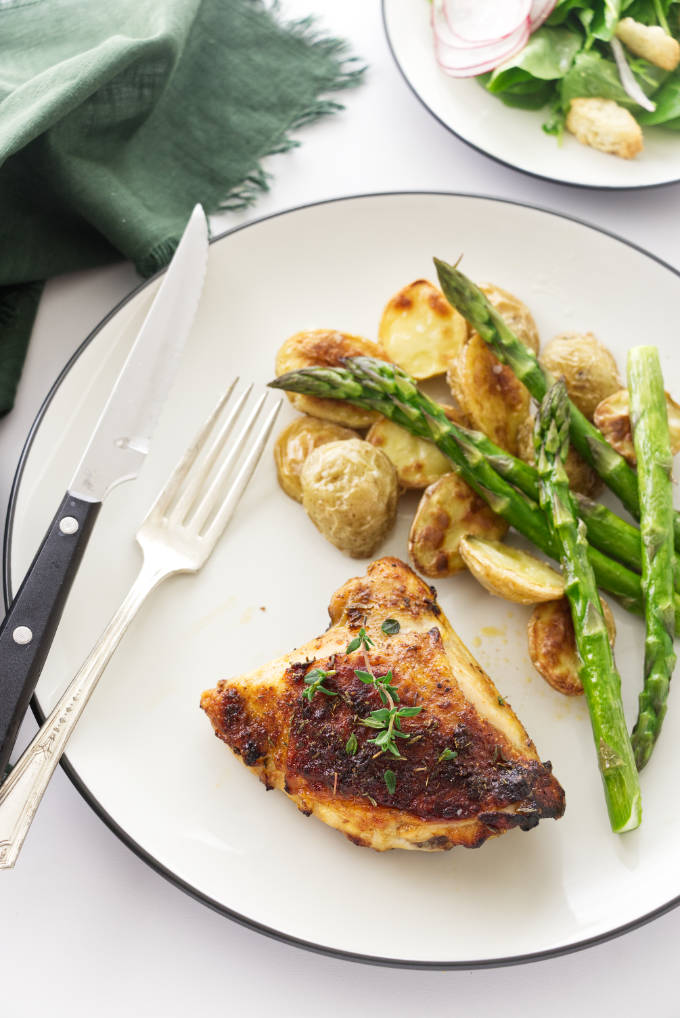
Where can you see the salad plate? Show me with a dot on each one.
(144, 755)
(512, 136)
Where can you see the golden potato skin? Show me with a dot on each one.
(509, 572)
(588, 368)
(582, 477)
(515, 312)
(418, 462)
(552, 644)
(448, 510)
(612, 418)
(420, 331)
(325, 348)
(294, 445)
(488, 393)
(349, 491)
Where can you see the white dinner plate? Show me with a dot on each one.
(144, 754)
(513, 136)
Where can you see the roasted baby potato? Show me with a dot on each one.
(552, 644)
(510, 573)
(420, 331)
(612, 418)
(588, 368)
(296, 442)
(582, 477)
(325, 348)
(515, 312)
(418, 462)
(448, 510)
(488, 393)
(349, 491)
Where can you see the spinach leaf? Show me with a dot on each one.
(592, 75)
(548, 55)
(667, 101)
(606, 15)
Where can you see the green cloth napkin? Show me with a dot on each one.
(117, 116)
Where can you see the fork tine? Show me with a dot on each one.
(205, 460)
(226, 508)
(211, 495)
(174, 482)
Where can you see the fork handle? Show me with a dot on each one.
(22, 790)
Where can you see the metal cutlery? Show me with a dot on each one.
(178, 535)
(115, 453)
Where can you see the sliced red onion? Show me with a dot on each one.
(540, 11)
(477, 22)
(462, 61)
(628, 79)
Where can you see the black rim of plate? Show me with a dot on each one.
(80, 785)
(497, 159)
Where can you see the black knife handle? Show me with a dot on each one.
(28, 629)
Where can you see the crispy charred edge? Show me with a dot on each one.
(545, 800)
(235, 725)
(386, 828)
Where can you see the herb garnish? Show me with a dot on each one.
(362, 640)
(313, 681)
(386, 720)
(447, 754)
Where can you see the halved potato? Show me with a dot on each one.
(582, 477)
(325, 348)
(448, 510)
(420, 331)
(296, 442)
(552, 644)
(588, 368)
(515, 312)
(488, 393)
(509, 572)
(613, 419)
(418, 462)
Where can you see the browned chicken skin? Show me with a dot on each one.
(494, 781)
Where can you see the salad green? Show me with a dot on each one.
(571, 56)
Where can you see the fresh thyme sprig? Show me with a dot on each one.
(387, 721)
(362, 640)
(382, 683)
(314, 681)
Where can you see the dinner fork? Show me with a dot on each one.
(178, 535)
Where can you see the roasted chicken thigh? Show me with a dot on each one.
(466, 769)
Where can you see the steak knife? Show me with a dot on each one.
(115, 453)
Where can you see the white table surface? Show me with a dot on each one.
(87, 927)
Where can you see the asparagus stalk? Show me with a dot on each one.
(601, 681)
(376, 385)
(653, 450)
(469, 300)
(606, 531)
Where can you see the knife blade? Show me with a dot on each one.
(115, 453)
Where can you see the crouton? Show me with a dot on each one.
(650, 42)
(603, 124)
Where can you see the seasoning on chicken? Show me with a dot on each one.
(464, 769)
